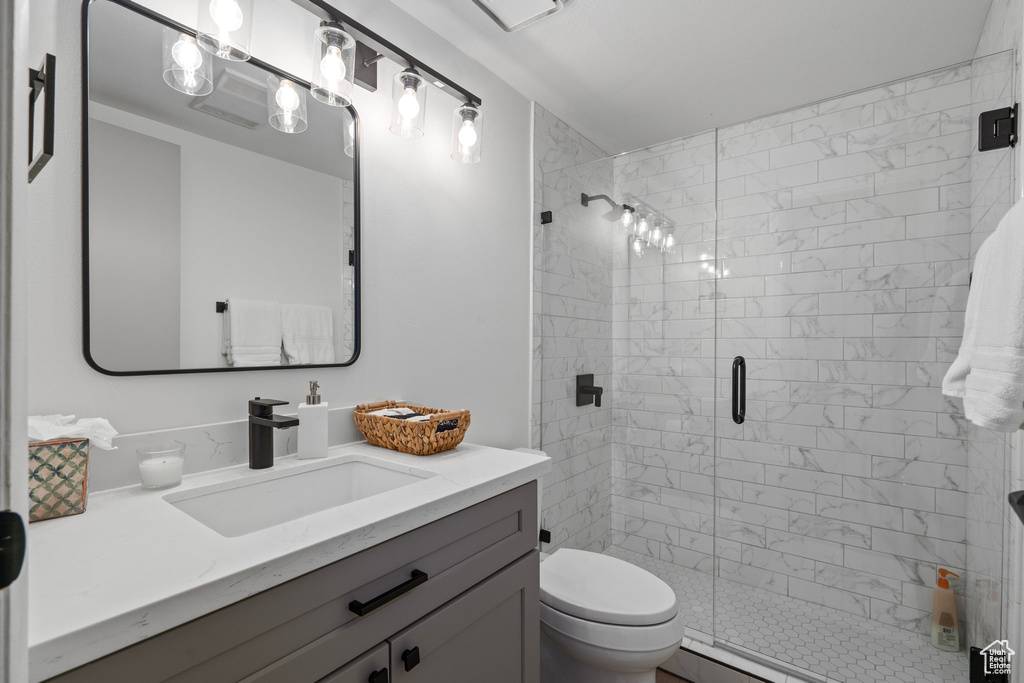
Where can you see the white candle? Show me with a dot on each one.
(161, 472)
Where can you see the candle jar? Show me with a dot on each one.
(160, 466)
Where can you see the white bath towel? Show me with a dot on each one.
(308, 334)
(252, 333)
(988, 372)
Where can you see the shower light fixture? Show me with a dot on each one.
(286, 102)
(408, 104)
(334, 65)
(467, 131)
(225, 28)
(626, 221)
(185, 68)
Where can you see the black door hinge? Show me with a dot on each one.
(351, 257)
(12, 547)
(997, 128)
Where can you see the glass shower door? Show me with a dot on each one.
(844, 240)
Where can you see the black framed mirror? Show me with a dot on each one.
(212, 240)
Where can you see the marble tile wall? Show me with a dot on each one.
(572, 333)
(840, 273)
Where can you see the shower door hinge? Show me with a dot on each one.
(997, 128)
(545, 217)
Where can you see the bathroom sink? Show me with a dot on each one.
(267, 500)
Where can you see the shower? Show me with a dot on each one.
(773, 441)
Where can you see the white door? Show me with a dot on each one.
(13, 350)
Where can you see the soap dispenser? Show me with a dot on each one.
(313, 425)
(945, 627)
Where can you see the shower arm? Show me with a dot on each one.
(585, 200)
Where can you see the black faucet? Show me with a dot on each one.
(262, 423)
(586, 392)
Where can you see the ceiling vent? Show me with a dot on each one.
(513, 15)
(236, 98)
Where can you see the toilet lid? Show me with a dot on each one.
(604, 589)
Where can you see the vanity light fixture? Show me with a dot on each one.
(286, 102)
(334, 65)
(225, 28)
(467, 132)
(408, 104)
(185, 68)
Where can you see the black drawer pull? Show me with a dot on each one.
(411, 658)
(380, 676)
(364, 608)
(739, 389)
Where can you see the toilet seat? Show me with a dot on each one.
(604, 590)
(615, 637)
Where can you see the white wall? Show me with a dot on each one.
(445, 248)
(135, 249)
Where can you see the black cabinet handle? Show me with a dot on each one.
(364, 608)
(411, 658)
(739, 389)
(41, 80)
(380, 676)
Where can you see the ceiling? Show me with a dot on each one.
(630, 73)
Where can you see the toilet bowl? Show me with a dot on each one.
(604, 620)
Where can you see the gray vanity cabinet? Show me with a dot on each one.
(481, 635)
(460, 592)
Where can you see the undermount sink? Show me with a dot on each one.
(264, 501)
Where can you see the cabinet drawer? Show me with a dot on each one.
(490, 633)
(455, 552)
(298, 667)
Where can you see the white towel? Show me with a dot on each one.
(308, 333)
(988, 373)
(252, 333)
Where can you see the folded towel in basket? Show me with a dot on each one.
(401, 414)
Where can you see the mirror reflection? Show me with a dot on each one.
(221, 208)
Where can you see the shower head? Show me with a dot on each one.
(616, 211)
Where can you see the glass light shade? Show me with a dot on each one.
(408, 104)
(225, 28)
(187, 69)
(626, 222)
(334, 66)
(669, 244)
(643, 225)
(286, 102)
(467, 134)
(638, 246)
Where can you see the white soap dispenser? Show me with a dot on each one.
(312, 425)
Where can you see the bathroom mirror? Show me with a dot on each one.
(192, 200)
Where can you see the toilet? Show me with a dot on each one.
(604, 620)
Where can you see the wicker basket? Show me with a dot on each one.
(415, 438)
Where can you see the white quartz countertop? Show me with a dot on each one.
(134, 565)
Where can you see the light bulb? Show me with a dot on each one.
(186, 54)
(656, 236)
(467, 135)
(638, 248)
(641, 226)
(332, 66)
(408, 106)
(226, 14)
(287, 98)
(627, 218)
(670, 242)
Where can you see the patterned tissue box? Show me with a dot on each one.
(57, 478)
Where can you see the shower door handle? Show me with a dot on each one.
(739, 389)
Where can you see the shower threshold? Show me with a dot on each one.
(800, 640)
